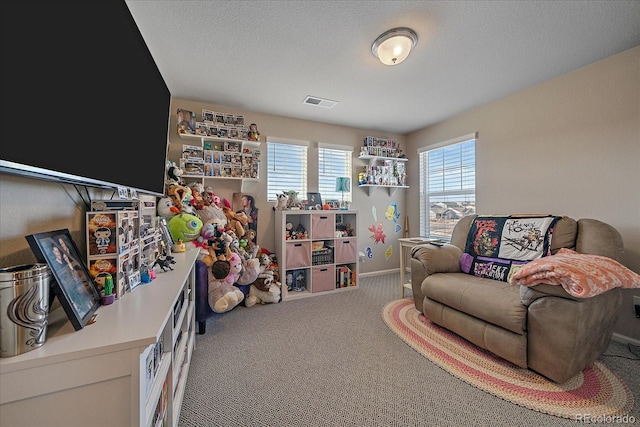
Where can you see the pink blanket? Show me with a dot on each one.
(581, 275)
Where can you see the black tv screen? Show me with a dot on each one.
(82, 98)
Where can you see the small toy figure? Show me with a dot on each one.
(163, 262)
(102, 235)
(254, 135)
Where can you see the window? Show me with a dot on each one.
(286, 167)
(447, 186)
(333, 161)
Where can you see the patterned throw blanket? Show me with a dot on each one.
(580, 275)
(497, 246)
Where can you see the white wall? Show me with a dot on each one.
(569, 146)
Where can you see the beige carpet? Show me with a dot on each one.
(332, 361)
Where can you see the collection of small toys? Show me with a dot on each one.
(113, 247)
(299, 233)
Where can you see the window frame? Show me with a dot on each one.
(458, 181)
(300, 183)
(340, 165)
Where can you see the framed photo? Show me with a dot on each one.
(165, 234)
(72, 282)
(314, 200)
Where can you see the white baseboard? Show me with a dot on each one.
(625, 339)
(379, 272)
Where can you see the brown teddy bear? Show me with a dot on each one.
(236, 220)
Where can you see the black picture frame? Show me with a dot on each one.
(314, 200)
(72, 282)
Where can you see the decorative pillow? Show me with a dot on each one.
(499, 245)
(581, 275)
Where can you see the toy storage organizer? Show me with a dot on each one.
(317, 251)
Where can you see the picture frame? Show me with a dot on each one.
(165, 234)
(314, 200)
(72, 283)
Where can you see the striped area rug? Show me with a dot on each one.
(596, 392)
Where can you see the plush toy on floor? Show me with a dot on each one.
(222, 295)
(249, 274)
(265, 289)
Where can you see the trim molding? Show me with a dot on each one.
(625, 339)
(379, 272)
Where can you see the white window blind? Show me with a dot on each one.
(447, 186)
(333, 162)
(286, 167)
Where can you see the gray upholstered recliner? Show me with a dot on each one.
(542, 328)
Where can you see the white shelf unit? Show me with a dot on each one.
(218, 144)
(375, 161)
(129, 368)
(331, 267)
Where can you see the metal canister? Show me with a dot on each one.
(24, 308)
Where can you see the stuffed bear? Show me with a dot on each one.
(221, 295)
(236, 220)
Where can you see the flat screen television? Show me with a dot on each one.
(83, 101)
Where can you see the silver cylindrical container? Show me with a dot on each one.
(24, 308)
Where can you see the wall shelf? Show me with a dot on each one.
(371, 187)
(382, 165)
(243, 159)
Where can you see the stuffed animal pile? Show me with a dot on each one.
(198, 218)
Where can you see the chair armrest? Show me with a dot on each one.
(435, 259)
(528, 294)
(430, 259)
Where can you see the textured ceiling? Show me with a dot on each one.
(267, 56)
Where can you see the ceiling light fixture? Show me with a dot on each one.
(393, 46)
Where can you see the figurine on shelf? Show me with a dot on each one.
(254, 135)
(179, 246)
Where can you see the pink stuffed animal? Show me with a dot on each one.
(235, 270)
(222, 295)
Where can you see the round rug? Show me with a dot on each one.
(596, 390)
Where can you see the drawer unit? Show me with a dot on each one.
(346, 250)
(323, 226)
(323, 278)
(298, 254)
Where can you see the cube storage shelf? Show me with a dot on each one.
(317, 252)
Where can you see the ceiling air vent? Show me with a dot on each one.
(319, 102)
